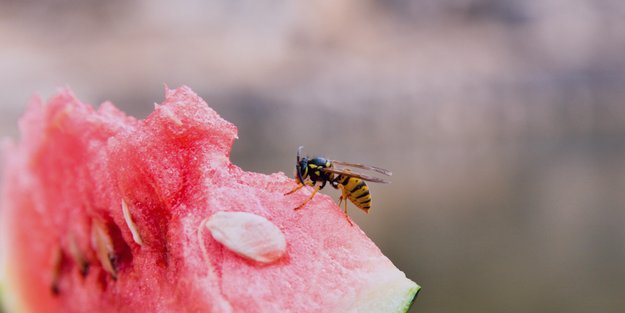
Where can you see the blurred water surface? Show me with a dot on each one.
(503, 121)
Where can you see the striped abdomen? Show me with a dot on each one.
(356, 190)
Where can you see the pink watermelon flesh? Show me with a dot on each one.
(67, 247)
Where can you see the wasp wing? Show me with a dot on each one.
(366, 167)
(356, 175)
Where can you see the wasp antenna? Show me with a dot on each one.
(299, 153)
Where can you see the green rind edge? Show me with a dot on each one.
(411, 296)
(3, 309)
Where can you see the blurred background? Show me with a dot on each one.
(502, 120)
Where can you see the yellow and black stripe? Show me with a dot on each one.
(356, 190)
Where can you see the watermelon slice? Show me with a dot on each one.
(102, 212)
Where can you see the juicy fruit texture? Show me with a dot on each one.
(101, 211)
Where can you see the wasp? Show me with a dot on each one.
(318, 171)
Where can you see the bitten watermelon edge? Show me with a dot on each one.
(102, 212)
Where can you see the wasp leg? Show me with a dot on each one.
(298, 187)
(342, 198)
(309, 198)
(347, 216)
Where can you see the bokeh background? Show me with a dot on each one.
(503, 120)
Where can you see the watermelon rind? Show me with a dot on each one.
(1, 302)
(411, 296)
(395, 297)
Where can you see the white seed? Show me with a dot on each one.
(131, 224)
(78, 256)
(103, 246)
(248, 235)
